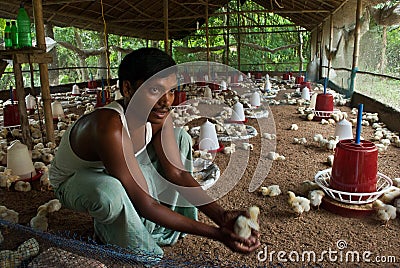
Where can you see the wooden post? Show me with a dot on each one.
(238, 33)
(23, 116)
(166, 35)
(330, 44)
(207, 37)
(356, 47)
(44, 71)
(227, 35)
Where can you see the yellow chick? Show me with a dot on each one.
(272, 190)
(307, 186)
(22, 186)
(8, 214)
(298, 204)
(384, 212)
(243, 225)
(53, 205)
(315, 197)
(40, 221)
(390, 195)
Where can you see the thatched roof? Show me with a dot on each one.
(144, 18)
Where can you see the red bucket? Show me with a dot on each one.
(258, 76)
(102, 98)
(92, 84)
(286, 76)
(355, 167)
(324, 102)
(299, 80)
(305, 84)
(11, 115)
(180, 96)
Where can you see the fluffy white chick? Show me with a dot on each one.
(272, 190)
(384, 211)
(22, 186)
(307, 186)
(8, 214)
(40, 221)
(243, 225)
(53, 205)
(390, 195)
(298, 204)
(315, 197)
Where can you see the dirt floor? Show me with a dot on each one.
(335, 239)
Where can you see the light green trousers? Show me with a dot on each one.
(116, 220)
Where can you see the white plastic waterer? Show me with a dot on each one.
(305, 93)
(208, 137)
(238, 112)
(30, 102)
(57, 109)
(344, 130)
(75, 90)
(255, 99)
(19, 160)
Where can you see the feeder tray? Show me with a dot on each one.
(181, 107)
(324, 114)
(220, 149)
(322, 178)
(347, 210)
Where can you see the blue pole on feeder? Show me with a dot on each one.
(359, 120)
(325, 84)
(305, 77)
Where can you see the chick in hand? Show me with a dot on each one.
(384, 211)
(243, 225)
(298, 204)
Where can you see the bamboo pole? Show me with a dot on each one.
(44, 72)
(356, 47)
(166, 36)
(207, 38)
(23, 116)
(238, 32)
(227, 35)
(330, 45)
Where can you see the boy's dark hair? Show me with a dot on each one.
(143, 63)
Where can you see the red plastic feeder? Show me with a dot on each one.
(323, 106)
(299, 80)
(258, 76)
(103, 97)
(92, 84)
(11, 115)
(180, 96)
(286, 76)
(355, 167)
(305, 84)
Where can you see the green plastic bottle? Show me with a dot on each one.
(7, 36)
(24, 28)
(14, 34)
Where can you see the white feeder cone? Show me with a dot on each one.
(238, 112)
(223, 85)
(206, 77)
(57, 109)
(30, 102)
(267, 86)
(117, 95)
(19, 160)
(305, 93)
(207, 92)
(75, 90)
(240, 78)
(229, 80)
(313, 100)
(248, 75)
(255, 99)
(344, 130)
(208, 137)
(191, 79)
